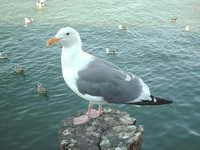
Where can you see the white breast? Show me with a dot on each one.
(71, 65)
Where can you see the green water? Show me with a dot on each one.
(154, 48)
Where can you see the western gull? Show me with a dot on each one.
(3, 56)
(174, 19)
(187, 29)
(122, 27)
(41, 89)
(17, 69)
(28, 20)
(97, 80)
(40, 4)
(110, 51)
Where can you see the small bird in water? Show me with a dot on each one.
(17, 69)
(110, 51)
(28, 20)
(40, 4)
(122, 27)
(41, 89)
(187, 29)
(174, 19)
(3, 56)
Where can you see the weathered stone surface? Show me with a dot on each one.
(113, 130)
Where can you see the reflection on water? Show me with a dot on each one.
(152, 47)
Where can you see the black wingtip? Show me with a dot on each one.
(153, 101)
(161, 101)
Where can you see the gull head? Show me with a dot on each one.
(66, 36)
(39, 84)
(15, 66)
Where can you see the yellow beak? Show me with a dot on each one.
(52, 40)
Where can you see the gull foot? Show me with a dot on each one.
(94, 114)
(81, 120)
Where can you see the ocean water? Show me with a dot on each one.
(153, 48)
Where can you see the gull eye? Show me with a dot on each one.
(67, 34)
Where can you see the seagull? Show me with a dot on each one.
(97, 80)
(40, 4)
(122, 27)
(174, 19)
(187, 29)
(17, 69)
(3, 56)
(110, 51)
(28, 20)
(41, 89)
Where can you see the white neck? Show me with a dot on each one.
(70, 55)
(73, 57)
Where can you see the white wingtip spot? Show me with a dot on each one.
(128, 78)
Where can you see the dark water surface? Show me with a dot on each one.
(160, 52)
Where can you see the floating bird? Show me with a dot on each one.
(174, 19)
(122, 27)
(28, 20)
(17, 69)
(97, 80)
(187, 29)
(3, 56)
(110, 51)
(41, 89)
(40, 4)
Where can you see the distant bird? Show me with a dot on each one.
(122, 27)
(187, 29)
(41, 89)
(110, 51)
(17, 69)
(174, 19)
(3, 56)
(28, 20)
(40, 4)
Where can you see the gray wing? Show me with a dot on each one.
(102, 78)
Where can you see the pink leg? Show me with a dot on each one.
(95, 113)
(100, 109)
(85, 118)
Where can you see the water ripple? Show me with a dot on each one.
(153, 48)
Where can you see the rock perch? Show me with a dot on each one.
(113, 130)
